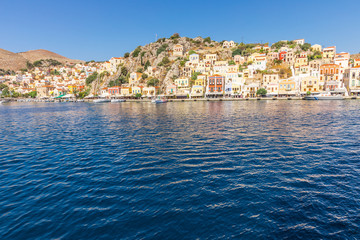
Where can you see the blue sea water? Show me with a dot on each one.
(187, 170)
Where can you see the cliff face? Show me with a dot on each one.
(17, 61)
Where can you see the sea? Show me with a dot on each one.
(180, 170)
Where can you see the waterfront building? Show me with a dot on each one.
(287, 87)
(352, 80)
(136, 90)
(328, 72)
(309, 84)
(171, 90)
(114, 91)
(215, 86)
(197, 91)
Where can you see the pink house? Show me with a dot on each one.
(116, 90)
(171, 89)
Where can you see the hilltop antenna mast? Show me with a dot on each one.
(155, 37)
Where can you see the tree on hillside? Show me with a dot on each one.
(147, 64)
(192, 52)
(175, 36)
(123, 71)
(136, 52)
(231, 62)
(165, 61)
(236, 52)
(144, 76)
(207, 39)
(126, 55)
(2, 86)
(91, 78)
(305, 46)
(161, 49)
(153, 82)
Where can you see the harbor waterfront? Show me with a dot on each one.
(181, 170)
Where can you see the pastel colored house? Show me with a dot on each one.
(228, 44)
(309, 84)
(197, 91)
(299, 41)
(136, 90)
(125, 91)
(316, 48)
(178, 50)
(171, 90)
(329, 72)
(352, 80)
(238, 59)
(329, 53)
(149, 91)
(114, 91)
(134, 77)
(201, 80)
(182, 82)
(215, 86)
(194, 58)
(287, 87)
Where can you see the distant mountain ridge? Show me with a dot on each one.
(17, 61)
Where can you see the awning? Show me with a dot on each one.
(60, 96)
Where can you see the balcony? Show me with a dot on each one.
(288, 89)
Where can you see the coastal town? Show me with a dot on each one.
(184, 68)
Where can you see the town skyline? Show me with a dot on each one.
(98, 32)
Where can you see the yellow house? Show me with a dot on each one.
(301, 61)
(134, 77)
(125, 91)
(287, 87)
(316, 47)
(310, 84)
(136, 90)
(197, 91)
(329, 53)
(201, 80)
(71, 88)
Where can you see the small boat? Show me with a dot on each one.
(324, 96)
(101, 100)
(159, 100)
(3, 101)
(117, 100)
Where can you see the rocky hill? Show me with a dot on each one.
(10, 60)
(157, 55)
(17, 61)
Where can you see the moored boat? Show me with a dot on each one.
(101, 100)
(324, 96)
(159, 100)
(117, 100)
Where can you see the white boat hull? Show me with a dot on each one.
(118, 100)
(324, 98)
(101, 100)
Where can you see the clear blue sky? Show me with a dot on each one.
(98, 30)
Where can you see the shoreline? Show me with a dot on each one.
(189, 100)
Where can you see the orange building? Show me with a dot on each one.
(329, 72)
